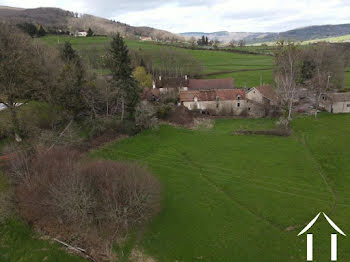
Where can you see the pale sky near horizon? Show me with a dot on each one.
(205, 15)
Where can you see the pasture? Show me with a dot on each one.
(218, 64)
(244, 198)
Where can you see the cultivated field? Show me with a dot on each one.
(244, 198)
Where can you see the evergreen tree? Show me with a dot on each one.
(142, 63)
(68, 53)
(120, 66)
(41, 32)
(28, 28)
(206, 41)
(203, 40)
(69, 95)
(90, 33)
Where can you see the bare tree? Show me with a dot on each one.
(232, 43)
(19, 71)
(287, 72)
(241, 43)
(322, 69)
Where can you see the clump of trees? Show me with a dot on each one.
(319, 68)
(32, 29)
(204, 41)
(87, 204)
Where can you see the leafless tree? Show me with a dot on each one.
(287, 59)
(19, 71)
(232, 43)
(241, 43)
(322, 69)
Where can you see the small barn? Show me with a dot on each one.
(336, 102)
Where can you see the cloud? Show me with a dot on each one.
(208, 16)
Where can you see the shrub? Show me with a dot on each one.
(145, 116)
(89, 204)
(164, 111)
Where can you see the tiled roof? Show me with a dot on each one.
(172, 83)
(210, 95)
(339, 97)
(210, 84)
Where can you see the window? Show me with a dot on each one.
(195, 99)
(248, 108)
(348, 105)
(238, 104)
(239, 97)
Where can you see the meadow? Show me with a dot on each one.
(217, 64)
(248, 70)
(244, 198)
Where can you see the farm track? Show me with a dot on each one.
(234, 71)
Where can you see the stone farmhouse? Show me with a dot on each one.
(336, 102)
(214, 96)
(220, 97)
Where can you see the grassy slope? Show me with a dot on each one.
(19, 243)
(231, 198)
(213, 61)
(347, 78)
(221, 63)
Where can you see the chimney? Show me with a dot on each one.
(160, 78)
(186, 77)
(154, 84)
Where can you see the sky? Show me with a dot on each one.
(205, 15)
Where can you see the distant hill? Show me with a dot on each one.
(55, 18)
(299, 34)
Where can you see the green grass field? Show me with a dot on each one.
(213, 61)
(347, 78)
(247, 69)
(244, 198)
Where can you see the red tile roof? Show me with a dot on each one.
(210, 95)
(210, 84)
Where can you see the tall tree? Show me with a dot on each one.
(69, 93)
(41, 31)
(206, 41)
(203, 40)
(19, 72)
(90, 33)
(120, 66)
(287, 59)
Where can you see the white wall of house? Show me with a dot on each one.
(228, 107)
(340, 107)
(255, 95)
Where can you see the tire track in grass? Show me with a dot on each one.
(303, 141)
(253, 183)
(220, 189)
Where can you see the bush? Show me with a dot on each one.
(145, 116)
(164, 111)
(89, 204)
